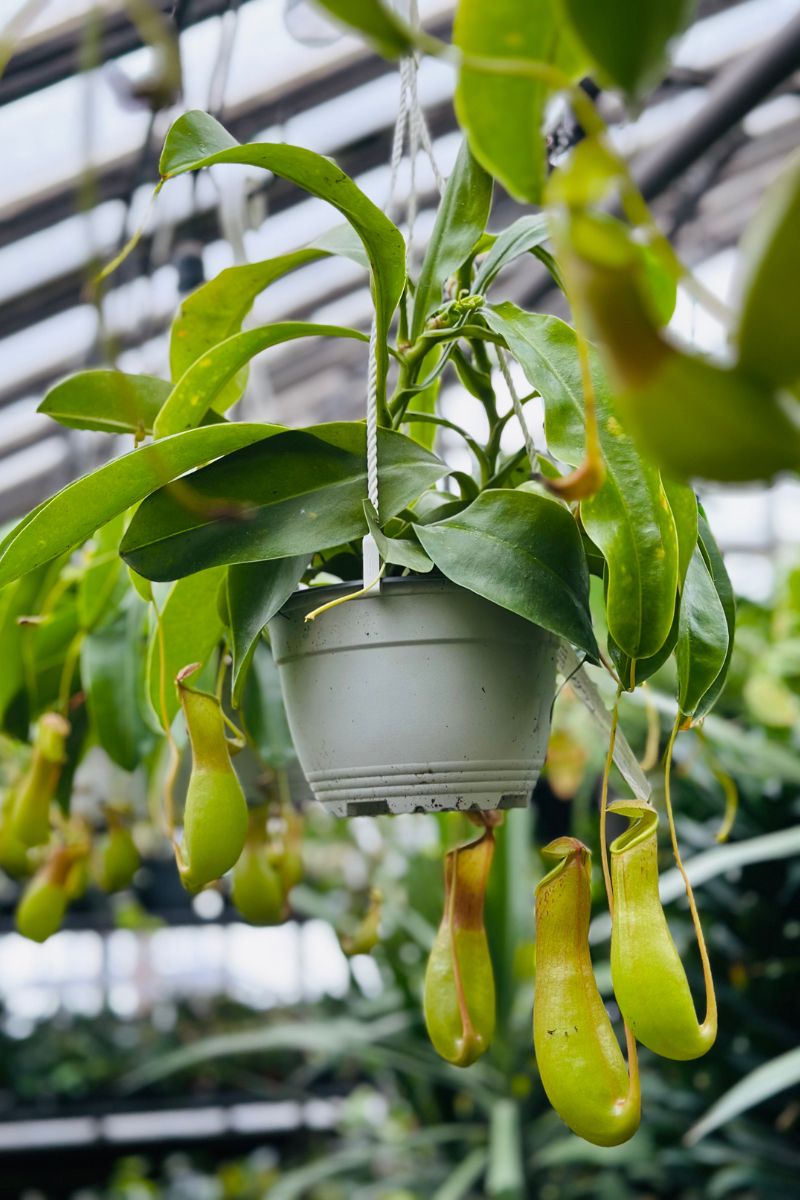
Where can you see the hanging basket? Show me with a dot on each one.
(419, 697)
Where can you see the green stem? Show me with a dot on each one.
(434, 419)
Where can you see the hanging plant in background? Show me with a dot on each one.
(429, 686)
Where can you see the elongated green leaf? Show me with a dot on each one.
(724, 588)
(629, 518)
(100, 583)
(333, 1038)
(108, 401)
(770, 267)
(526, 234)
(196, 140)
(191, 628)
(633, 672)
(502, 113)
(215, 311)
(23, 598)
(376, 22)
(424, 432)
(460, 221)
(683, 503)
(505, 1177)
(200, 387)
(703, 639)
(765, 1081)
(699, 419)
(627, 40)
(352, 1161)
(303, 491)
(112, 675)
(75, 512)
(463, 1178)
(402, 551)
(692, 417)
(255, 593)
(523, 552)
(263, 713)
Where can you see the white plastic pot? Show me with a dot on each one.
(420, 696)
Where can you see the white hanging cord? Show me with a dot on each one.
(422, 134)
(413, 151)
(532, 452)
(372, 421)
(410, 120)
(398, 140)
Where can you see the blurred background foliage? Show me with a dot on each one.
(399, 1124)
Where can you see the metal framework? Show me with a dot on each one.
(705, 176)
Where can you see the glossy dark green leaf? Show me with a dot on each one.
(460, 221)
(201, 387)
(196, 140)
(112, 675)
(404, 552)
(724, 588)
(191, 629)
(633, 672)
(263, 713)
(255, 593)
(703, 640)
(74, 513)
(629, 518)
(502, 113)
(770, 267)
(108, 401)
(525, 235)
(523, 552)
(215, 311)
(376, 22)
(683, 503)
(303, 492)
(626, 40)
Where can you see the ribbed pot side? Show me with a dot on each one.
(419, 697)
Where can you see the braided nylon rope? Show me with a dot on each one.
(411, 120)
(518, 413)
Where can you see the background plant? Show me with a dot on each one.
(610, 268)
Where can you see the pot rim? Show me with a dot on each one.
(408, 584)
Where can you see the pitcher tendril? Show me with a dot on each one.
(612, 741)
(649, 980)
(710, 1021)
